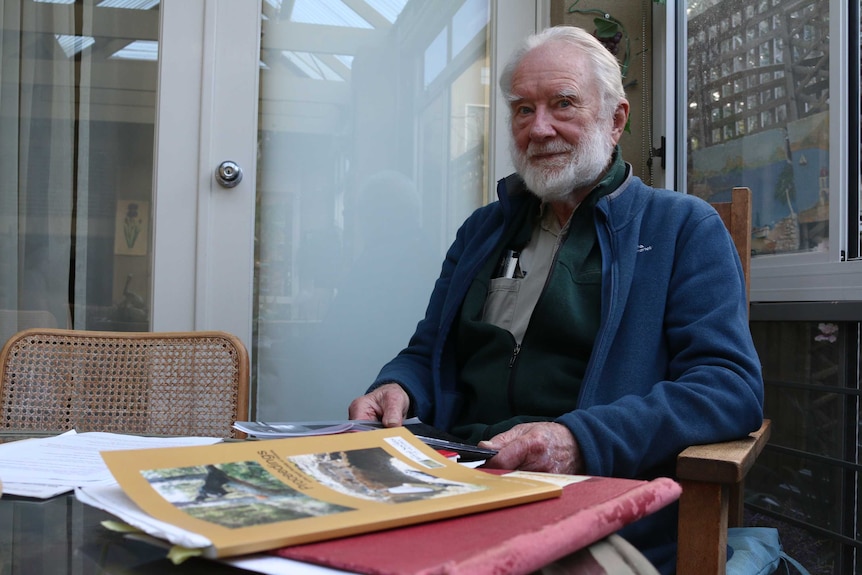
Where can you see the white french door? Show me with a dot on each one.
(365, 131)
(206, 115)
(365, 134)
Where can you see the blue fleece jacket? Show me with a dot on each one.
(673, 362)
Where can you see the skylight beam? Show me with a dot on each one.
(368, 13)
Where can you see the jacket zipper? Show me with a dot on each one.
(510, 384)
(510, 388)
(515, 353)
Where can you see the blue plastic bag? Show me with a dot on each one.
(757, 551)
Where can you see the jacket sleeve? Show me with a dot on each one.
(415, 366)
(680, 367)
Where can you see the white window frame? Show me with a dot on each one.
(803, 277)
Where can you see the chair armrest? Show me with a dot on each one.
(712, 478)
(726, 462)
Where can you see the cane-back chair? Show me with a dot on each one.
(168, 383)
(712, 476)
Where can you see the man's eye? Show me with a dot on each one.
(523, 110)
(564, 103)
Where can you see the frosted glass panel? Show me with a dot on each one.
(372, 153)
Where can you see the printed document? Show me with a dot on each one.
(49, 466)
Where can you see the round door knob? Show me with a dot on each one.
(228, 174)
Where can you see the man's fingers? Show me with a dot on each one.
(362, 408)
(535, 447)
(395, 404)
(503, 439)
(387, 404)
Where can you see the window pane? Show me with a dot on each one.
(77, 111)
(806, 481)
(788, 489)
(857, 253)
(758, 115)
(365, 173)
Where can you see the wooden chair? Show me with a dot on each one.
(168, 383)
(712, 476)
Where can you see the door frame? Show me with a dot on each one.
(203, 233)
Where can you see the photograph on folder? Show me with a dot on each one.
(244, 497)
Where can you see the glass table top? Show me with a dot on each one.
(62, 535)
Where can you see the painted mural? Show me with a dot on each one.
(787, 170)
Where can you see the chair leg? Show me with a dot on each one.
(736, 505)
(703, 511)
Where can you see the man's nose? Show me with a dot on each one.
(542, 126)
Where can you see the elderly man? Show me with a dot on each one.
(585, 322)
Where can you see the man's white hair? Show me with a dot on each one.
(605, 65)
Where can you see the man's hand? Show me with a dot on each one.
(543, 446)
(388, 404)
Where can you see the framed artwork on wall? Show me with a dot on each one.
(131, 228)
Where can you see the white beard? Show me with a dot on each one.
(554, 180)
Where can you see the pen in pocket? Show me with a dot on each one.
(511, 263)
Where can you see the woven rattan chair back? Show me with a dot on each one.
(169, 383)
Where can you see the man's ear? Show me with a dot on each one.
(621, 117)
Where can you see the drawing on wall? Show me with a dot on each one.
(130, 232)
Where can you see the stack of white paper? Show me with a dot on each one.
(112, 499)
(49, 466)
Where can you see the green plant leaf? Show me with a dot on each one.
(605, 28)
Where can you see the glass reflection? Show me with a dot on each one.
(77, 111)
(373, 135)
(758, 115)
(805, 482)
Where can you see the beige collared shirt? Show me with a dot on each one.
(511, 301)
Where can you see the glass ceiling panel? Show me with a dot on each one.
(328, 13)
(71, 45)
(346, 60)
(128, 4)
(312, 66)
(138, 50)
(336, 13)
(389, 9)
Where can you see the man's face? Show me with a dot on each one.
(561, 142)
